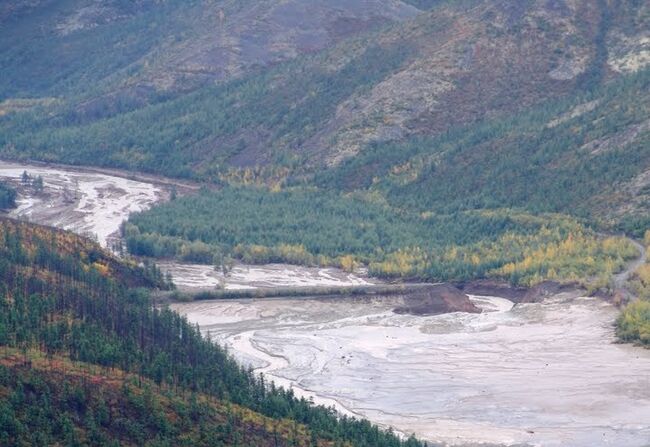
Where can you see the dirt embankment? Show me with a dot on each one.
(436, 299)
(414, 298)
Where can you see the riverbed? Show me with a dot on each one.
(532, 374)
(85, 202)
(95, 204)
(197, 277)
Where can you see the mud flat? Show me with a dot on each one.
(546, 374)
(88, 203)
(242, 277)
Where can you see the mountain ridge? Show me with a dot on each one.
(453, 65)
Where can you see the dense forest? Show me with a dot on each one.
(87, 359)
(323, 225)
(313, 227)
(443, 208)
(167, 137)
(569, 156)
(284, 120)
(7, 196)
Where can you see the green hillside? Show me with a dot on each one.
(85, 359)
(568, 167)
(422, 75)
(581, 155)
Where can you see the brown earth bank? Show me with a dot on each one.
(619, 297)
(416, 298)
(436, 299)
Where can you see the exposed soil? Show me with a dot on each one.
(435, 300)
(86, 202)
(197, 277)
(182, 186)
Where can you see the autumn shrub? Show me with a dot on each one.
(633, 325)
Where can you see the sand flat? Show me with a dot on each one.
(535, 374)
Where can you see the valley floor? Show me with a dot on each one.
(545, 374)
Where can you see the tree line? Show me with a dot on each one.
(633, 325)
(327, 228)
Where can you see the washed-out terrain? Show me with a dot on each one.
(546, 374)
(200, 277)
(534, 374)
(88, 203)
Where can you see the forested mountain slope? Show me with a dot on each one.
(452, 65)
(450, 116)
(7, 196)
(587, 154)
(85, 359)
(128, 50)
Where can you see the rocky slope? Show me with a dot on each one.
(172, 45)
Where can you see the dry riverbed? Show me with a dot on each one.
(89, 203)
(196, 277)
(95, 203)
(545, 374)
